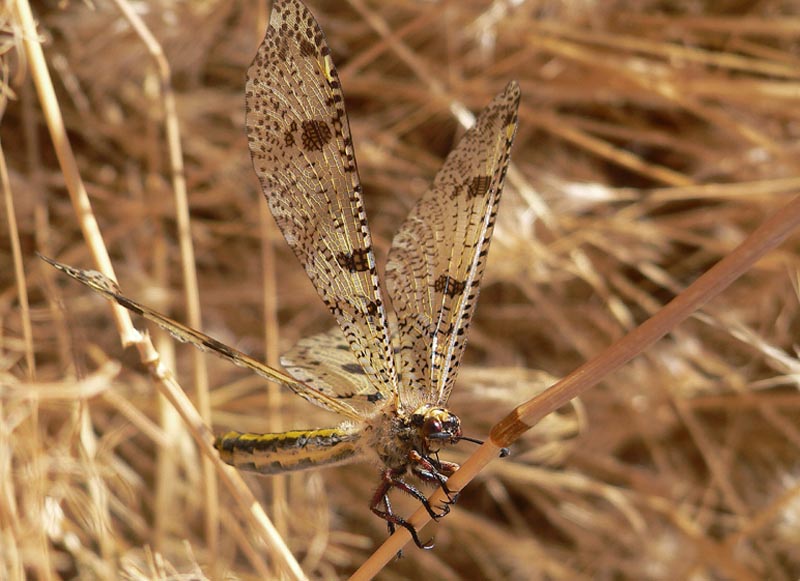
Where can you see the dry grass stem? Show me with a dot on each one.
(19, 271)
(187, 259)
(508, 430)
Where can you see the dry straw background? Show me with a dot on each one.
(654, 136)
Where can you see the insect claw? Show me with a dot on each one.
(433, 514)
(452, 498)
(410, 528)
(414, 536)
(427, 546)
(445, 508)
(505, 452)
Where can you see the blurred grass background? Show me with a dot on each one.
(654, 136)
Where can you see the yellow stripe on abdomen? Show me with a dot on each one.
(288, 451)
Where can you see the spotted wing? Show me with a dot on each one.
(303, 154)
(325, 362)
(109, 289)
(438, 256)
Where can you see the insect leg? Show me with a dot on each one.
(388, 506)
(435, 471)
(381, 497)
(390, 525)
(415, 492)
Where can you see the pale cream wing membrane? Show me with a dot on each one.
(325, 362)
(109, 289)
(438, 256)
(303, 154)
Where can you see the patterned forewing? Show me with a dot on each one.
(100, 284)
(438, 256)
(325, 362)
(303, 154)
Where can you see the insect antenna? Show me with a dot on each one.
(503, 451)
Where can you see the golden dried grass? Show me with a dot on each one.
(651, 143)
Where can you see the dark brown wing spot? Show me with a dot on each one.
(478, 186)
(281, 47)
(288, 135)
(449, 286)
(353, 368)
(356, 261)
(307, 48)
(315, 134)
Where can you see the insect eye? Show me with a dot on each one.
(432, 426)
(452, 426)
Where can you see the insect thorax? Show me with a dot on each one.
(393, 434)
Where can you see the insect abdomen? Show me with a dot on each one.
(288, 451)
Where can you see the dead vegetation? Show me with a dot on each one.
(654, 137)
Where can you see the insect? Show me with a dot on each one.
(389, 380)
